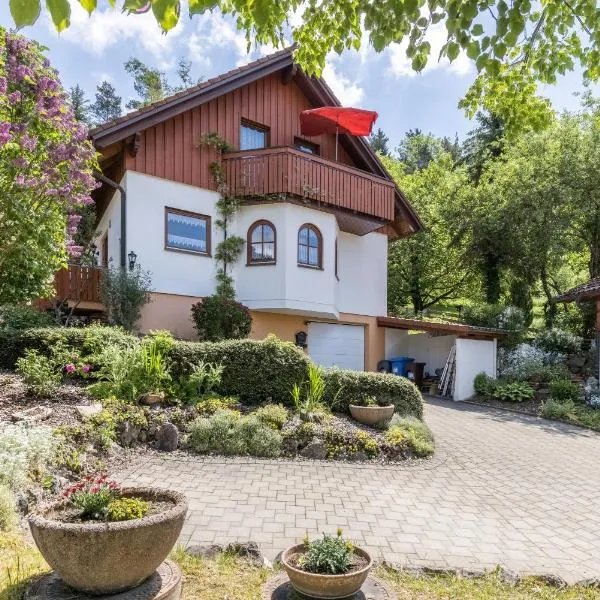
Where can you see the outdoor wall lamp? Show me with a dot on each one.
(132, 256)
(301, 339)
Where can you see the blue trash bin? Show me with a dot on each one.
(400, 364)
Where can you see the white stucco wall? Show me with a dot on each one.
(283, 287)
(362, 269)
(110, 224)
(473, 357)
(172, 272)
(423, 347)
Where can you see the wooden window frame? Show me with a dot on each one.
(260, 127)
(318, 267)
(263, 263)
(195, 215)
(301, 141)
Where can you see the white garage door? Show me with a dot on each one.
(343, 346)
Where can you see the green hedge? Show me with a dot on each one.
(353, 384)
(85, 339)
(254, 369)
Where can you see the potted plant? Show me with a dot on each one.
(102, 539)
(331, 567)
(370, 411)
(155, 375)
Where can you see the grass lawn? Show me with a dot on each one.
(228, 577)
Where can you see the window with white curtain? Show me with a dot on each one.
(253, 136)
(187, 231)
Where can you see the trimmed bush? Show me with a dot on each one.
(17, 318)
(90, 341)
(254, 370)
(558, 341)
(484, 385)
(217, 318)
(399, 391)
(226, 432)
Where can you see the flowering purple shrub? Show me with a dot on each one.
(46, 171)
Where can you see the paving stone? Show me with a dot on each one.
(503, 489)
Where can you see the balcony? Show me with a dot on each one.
(363, 202)
(77, 287)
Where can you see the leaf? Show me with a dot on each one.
(166, 13)
(200, 6)
(89, 5)
(452, 50)
(24, 12)
(60, 11)
(477, 29)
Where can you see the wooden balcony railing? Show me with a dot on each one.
(78, 284)
(284, 170)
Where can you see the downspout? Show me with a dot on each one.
(113, 184)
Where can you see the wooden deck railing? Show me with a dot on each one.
(78, 284)
(285, 170)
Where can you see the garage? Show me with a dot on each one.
(337, 345)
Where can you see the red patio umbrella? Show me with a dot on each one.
(337, 119)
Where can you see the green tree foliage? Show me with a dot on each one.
(428, 267)
(514, 45)
(107, 105)
(46, 165)
(417, 149)
(484, 143)
(80, 104)
(379, 142)
(152, 85)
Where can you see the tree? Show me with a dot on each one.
(513, 45)
(46, 166)
(152, 85)
(484, 143)
(379, 142)
(107, 105)
(428, 267)
(418, 149)
(80, 104)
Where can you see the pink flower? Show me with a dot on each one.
(86, 368)
(70, 368)
(14, 97)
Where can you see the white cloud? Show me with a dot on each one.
(214, 32)
(400, 64)
(348, 92)
(107, 28)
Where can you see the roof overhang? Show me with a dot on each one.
(460, 330)
(586, 292)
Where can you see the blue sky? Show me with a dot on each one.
(95, 48)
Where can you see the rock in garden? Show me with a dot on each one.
(129, 434)
(316, 449)
(22, 502)
(167, 437)
(290, 445)
(205, 550)
(58, 483)
(32, 415)
(576, 362)
(86, 411)
(249, 550)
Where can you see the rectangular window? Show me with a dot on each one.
(187, 231)
(306, 146)
(253, 136)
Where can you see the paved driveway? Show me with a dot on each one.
(503, 489)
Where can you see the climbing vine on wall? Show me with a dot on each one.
(228, 251)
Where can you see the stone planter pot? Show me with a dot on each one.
(109, 557)
(371, 415)
(316, 585)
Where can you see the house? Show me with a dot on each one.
(316, 229)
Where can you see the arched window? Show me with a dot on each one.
(310, 246)
(262, 243)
